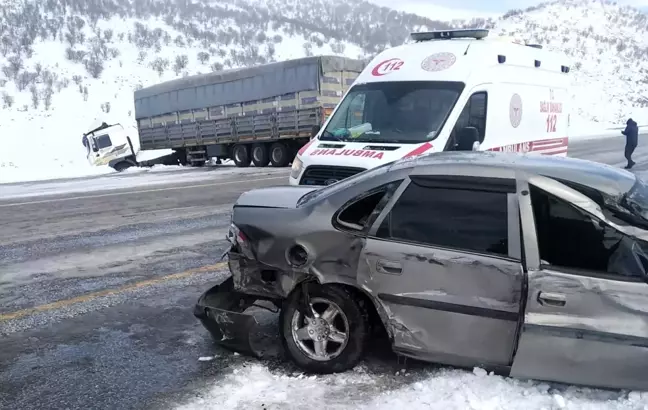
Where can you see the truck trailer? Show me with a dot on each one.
(261, 115)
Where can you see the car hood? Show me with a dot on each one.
(274, 197)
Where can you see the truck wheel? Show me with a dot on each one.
(121, 166)
(334, 339)
(279, 154)
(260, 155)
(241, 155)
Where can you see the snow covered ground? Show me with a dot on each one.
(145, 178)
(254, 386)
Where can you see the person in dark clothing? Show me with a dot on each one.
(632, 139)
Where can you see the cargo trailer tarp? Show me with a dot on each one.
(238, 85)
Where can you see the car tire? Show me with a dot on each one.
(351, 319)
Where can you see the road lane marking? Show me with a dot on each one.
(45, 201)
(95, 295)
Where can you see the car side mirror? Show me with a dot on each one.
(466, 138)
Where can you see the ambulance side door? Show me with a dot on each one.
(473, 114)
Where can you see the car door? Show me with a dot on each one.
(443, 260)
(586, 319)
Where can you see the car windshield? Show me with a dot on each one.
(636, 199)
(396, 112)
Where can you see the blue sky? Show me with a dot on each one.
(444, 9)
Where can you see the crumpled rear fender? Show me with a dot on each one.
(220, 309)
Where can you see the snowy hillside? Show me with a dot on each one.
(64, 64)
(608, 46)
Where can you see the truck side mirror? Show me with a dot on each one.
(315, 130)
(466, 138)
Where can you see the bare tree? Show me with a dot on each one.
(160, 65)
(47, 98)
(181, 63)
(203, 57)
(94, 65)
(7, 100)
(15, 65)
(34, 96)
(24, 80)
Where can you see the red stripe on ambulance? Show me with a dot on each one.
(551, 146)
(305, 147)
(419, 150)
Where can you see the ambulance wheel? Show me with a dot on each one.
(260, 155)
(334, 339)
(241, 155)
(279, 155)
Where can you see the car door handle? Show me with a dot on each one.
(552, 299)
(389, 267)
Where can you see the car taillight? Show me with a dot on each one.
(239, 240)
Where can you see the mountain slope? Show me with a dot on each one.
(608, 45)
(65, 63)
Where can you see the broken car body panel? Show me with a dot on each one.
(506, 308)
(219, 310)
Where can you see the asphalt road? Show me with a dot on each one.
(97, 288)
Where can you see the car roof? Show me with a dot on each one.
(602, 177)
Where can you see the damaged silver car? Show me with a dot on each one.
(531, 264)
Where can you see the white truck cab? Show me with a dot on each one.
(112, 145)
(449, 90)
(109, 145)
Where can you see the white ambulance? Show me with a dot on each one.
(448, 90)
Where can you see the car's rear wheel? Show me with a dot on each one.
(333, 339)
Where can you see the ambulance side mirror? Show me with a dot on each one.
(466, 138)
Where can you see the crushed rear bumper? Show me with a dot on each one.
(220, 309)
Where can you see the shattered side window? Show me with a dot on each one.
(359, 213)
(569, 237)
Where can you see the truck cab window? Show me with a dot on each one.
(571, 238)
(473, 115)
(355, 115)
(103, 141)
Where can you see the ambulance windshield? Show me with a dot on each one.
(393, 112)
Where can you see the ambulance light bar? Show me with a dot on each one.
(477, 34)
